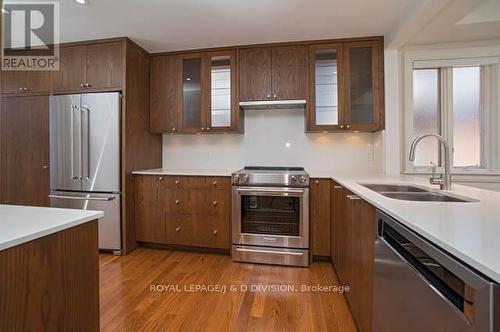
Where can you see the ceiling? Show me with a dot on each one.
(461, 20)
(169, 25)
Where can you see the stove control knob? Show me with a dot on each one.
(293, 179)
(303, 179)
(246, 178)
(236, 178)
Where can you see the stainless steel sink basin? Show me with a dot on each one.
(424, 197)
(394, 188)
(413, 193)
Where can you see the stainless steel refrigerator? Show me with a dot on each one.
(85, 159)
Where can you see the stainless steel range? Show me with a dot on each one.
(270, 215)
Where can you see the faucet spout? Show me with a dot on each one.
(445, 182)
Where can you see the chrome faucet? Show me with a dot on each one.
(444, 180)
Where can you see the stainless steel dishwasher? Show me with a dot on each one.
(419, 287)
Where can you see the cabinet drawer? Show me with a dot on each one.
(197, 182)
(206, 231)
(195, 201)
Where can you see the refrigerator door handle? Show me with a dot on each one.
(76, 152)
(105, 199)
(85, 124)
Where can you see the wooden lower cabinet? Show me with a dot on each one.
(24, 146)
(52, 283)
(352, 251)
(319, 216)
(184, 211)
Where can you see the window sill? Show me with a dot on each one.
(486, 177)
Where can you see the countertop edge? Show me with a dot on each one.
(27, 238)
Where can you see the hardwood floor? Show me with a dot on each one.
(129, 304)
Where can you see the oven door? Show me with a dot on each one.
(271, 216)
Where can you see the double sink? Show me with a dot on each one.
(413, 193)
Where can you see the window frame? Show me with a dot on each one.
(446, 59)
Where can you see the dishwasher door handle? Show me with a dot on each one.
(78, 198)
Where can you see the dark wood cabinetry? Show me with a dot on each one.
(352, 251)
(183, 211)
(195, 93)
(319, 217)
(255, 69)
(346, 86)
(92, 67)
(24, 146)
(164, 93)
(273, 73)
(25, 82)
(149, 209)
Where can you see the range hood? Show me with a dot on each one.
(273, 104)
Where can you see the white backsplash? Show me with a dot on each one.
(274, 138)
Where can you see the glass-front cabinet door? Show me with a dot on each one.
(363, 85)
(222, 106)
(325, 73)
(191, 116)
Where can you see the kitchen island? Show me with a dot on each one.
(49, 272)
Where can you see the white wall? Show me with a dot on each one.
(275, 138)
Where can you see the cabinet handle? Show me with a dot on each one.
(316, 182)
(160, 178)
(20, 89)
(202, 129)
(215, 203)
(348, 126)
(45, 167)
(25, 89)
(178, 229)
(173, 129)
(87, 85)
(177, 181)
(353, 197)
(177, 202)
(337, 187)
(214, 183)
(341, 126)
(275, 96)
(208, 128)
(82, 85)
(215, 232)
(268, 96)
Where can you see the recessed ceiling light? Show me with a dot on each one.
(82, 2)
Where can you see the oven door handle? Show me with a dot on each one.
(271, 191)
(290, 253)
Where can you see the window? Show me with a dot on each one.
(456, 98)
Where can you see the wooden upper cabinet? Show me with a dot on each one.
(193, 101)
(72, 69)
(25, 150)
(346, 87)
(25, 82)
(195, 93)
(106, 65)
(223, 111)
(289, 72)
(255, 71)
(99, 66)
(325, 72)
(273, 73)
(164, 93)
(363, 85)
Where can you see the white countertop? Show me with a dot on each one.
(469, 231)
(21, 224)
(163, 171)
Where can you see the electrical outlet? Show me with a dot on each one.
(371, 152)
